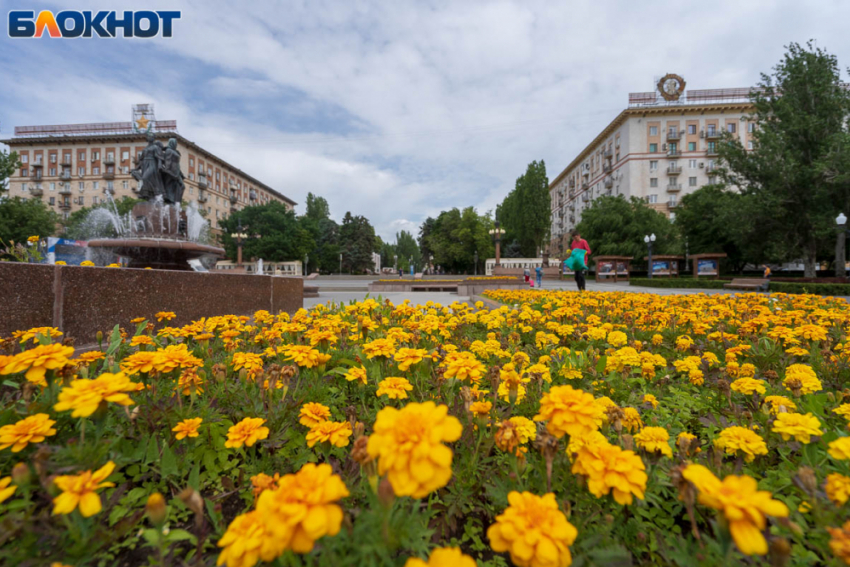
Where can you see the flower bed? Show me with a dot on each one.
(601, 428)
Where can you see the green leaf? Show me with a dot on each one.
(153, 452)
(180, 535)
(209, 462)
(168, 463)
(195, 477)
(151, 536)
(601, 363)
(114, 340)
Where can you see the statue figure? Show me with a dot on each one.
(172, 177)
(148, 170)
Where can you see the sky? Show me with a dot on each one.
(397, 110)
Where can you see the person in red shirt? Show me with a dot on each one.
(581, 244)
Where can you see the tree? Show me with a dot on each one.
(281, 238)
(324, 232)
(800, 140)
(20, 219)
(407, 248)
(456, 235)
(9, 162)
(357, 242)
(617, 227)
(317, 208)
(425, 230)
(708, 220)
(525, 213)
(81, 225)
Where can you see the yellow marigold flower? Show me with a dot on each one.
(379, 347)
(526, 429)
(737, 438)
(37, 361)
(244, 541)
(301, 510)
(838, 488)
(190, 382)
(250, 361)
(464, 366)
(312, 414)
(569, 372)
(142, 361)
(840, 542)
(800, 426)
(86, 263)
(261, 482)
(654, 439)
(612, 470)
(742, 503)
(246, 432)
(187, 428)
(336, 433)
(807, 377)
(175, 356)
(534, 531)
(84, 395)
(80, 490)
(691, 439)
(60, 263)
(576, 444)
(617, 338)
(843, 410)
(748, 386)
(113, 265)
(480, 409)
(651, 400)
(357, 374)
(657, 339)
(840, 449)
(5, 490)
(779, 404)
(24, 336)
(684, 342)
(567, 411)
(631, 420)
(394, 387)
(165, 316)
(407, 357)
(408, 444)
(32, 429)
(443, 557)
(302, 355)
(596, 333)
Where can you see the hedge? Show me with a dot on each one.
(775, 287)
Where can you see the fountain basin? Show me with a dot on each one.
(157, 253)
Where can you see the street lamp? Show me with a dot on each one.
(497, 233)
(649, 240)
(240, 236)
(340, 263)
(840, 256)
(306, 262)
(476, 262)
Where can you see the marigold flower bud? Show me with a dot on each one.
(386, 496)
(21, 474)
(156, 508)
(192, 500)
(780, 552)
(806, 479)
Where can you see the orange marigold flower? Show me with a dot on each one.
(840, 542)
(84, 395)
(188, 428)
(165, 316)
(357, 374)
(443, 557)
(797, 425)
(737, 438)
(567, 411)
(246, 432)
(337, 433)
(394, 387)
(80, 490)
(37, 361)
(654, 440)
(32, 429)
(5, 490)
(838, 488)
(312, 414)
(142, 361)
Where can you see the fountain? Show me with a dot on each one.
(158, 233)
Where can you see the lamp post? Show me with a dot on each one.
(306, 262)
(649, 240)
(240, 236)
(497, 233)
(840, 256)
(476, 262)
(340, 263)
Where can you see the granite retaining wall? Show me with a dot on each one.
(81, 301)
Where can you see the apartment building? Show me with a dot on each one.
(661, 147)
(76, 165)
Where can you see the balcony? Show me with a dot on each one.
(572, 183)
(202, 182)
(674, 170)
(674, 187)
(37, 164)
(65, 176)
(36, 191)
(674, 152)
(584, 185)
(672, 204)
(609, 182)
(202, 198)
(606, 167)
(66, 162)
(585, 198)
(710, 134)
(711, 150)
(711, 168)
(65, 190)
(252, 195)
(109, 160)
(65, 204)
(109, 175)
(608, 153)
(36, 175)
(674, 134)
(234, 198)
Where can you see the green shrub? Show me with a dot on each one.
(775, 287)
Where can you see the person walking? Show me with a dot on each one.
(581, 244)
(526, 274)
(538, 274)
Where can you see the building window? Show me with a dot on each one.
(730, 127)
(125, 156)
(24, 172)
(692, 163)
(95, 155)
(191, 162)
(82, 185)
(751, 127)
(712, 148)
(95, 171)
(653, 182)
(653, 130)
(82, 200)
(653, 165)
(53, 187)
(23, 186)
(672, 199)
(94, 200)
(81, 171)
(52, 158)
(53, 200)
(653, 148)
(81, 156)
(692, 129)
(750, 145)
(653, 198)
(125, 184)
(692, 146)
(94, 185)
(25, 158)
(218, 175)
(110, 185)
(52, 171)
(692, 181)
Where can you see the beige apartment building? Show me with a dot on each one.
(663, 146)
(77, 165)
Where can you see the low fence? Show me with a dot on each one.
(81, 301)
